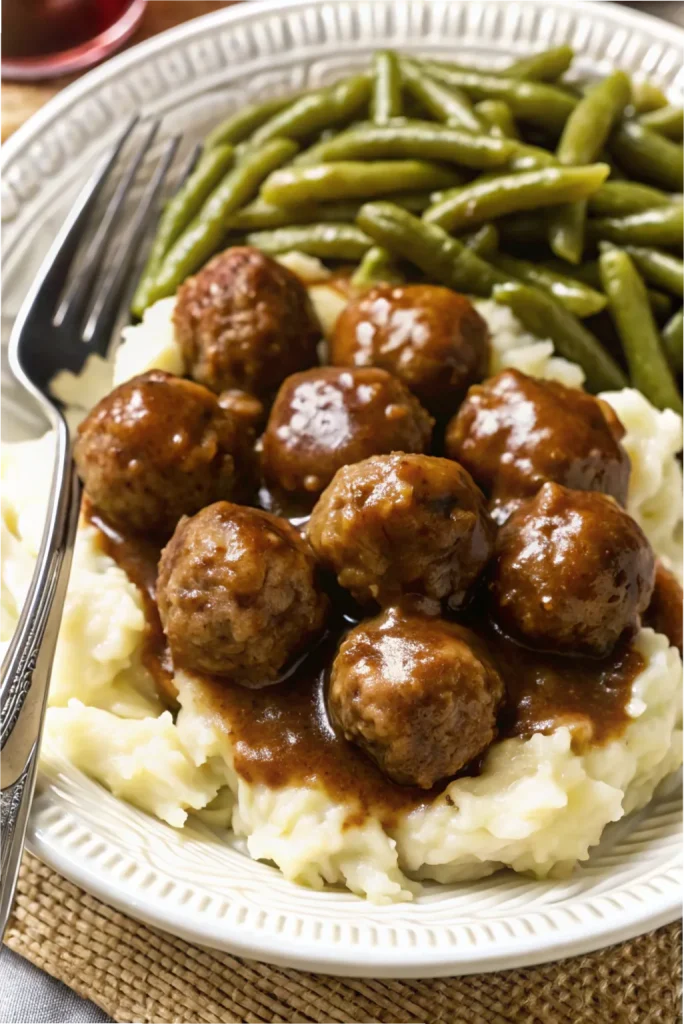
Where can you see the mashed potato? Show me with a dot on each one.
(537, 806)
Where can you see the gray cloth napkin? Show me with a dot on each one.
(27, 996)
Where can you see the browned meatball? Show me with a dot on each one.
(418, 694)
(237, 594)
(513, 433)
(244, 321)
(397, 524)
(159, 447)
(325, 418)
(431, 338)
(572, 571)
(246, 408)
(664, 613)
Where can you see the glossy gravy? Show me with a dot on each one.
(282, 734)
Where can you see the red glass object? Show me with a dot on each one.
(46, 38)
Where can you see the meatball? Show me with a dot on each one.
(237, 594)
(513, 433)
(664, 613)
(416, 693)
(431, 338)
(326, 418)
(159, 447)
(572, 571)
(246, 408)
(397, 524)
(244, 321)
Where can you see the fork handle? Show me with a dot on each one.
(27, 666)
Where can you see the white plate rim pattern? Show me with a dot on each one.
(332, 932)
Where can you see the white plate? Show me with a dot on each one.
(192, 883)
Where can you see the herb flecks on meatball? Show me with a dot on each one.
(237, 594)
(572, 571)
(159, 447)
(433, 339)
(327, 418)
(397, 524)
(244, 321)
(514, 433)
(418, 694)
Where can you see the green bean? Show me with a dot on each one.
(410, 139)
(316, 110)
(498, 116)
(658, 268)
(647, 155)
(546, 66)
(660, 303)
(546, 318)
(240, 125)
(668, 121)
(260, 215)
(437, 254)
(177, 214)
(620, 198)
(483, 242)
(584, 135)
(628, 303)
(348, 179)
(446, 104)
(204, 234)
(327, 241)
(386, 100)
(589, 274)
(524, 229)
(376, 267)
(647, 96)
(579, 298)
(662, 226)
(672, 336)
(528, 190)
(534, 102)
(528, 158)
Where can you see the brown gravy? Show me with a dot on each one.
(283, 735)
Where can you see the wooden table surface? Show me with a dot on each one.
(21, 99)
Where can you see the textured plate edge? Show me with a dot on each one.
(253, 945)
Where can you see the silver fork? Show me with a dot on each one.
(59, 325)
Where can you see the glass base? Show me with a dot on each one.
(28, 69)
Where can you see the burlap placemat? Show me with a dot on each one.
(138, 974)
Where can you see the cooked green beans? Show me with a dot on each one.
(546, 318)
(648, 156)
(262, 216)
(647, 96)
(629, 307)
(206, 231)
(620, 198)
(316, 110)
(348, 179)
(327, 241)
(579, 298)
(589, 274)
(376, 267)
(446, 104)
(428, 247)
(483, 242)
(510, 193)
(386, 102)
(240, 126)
(672, 335)
(667, 121)
(661, 226)
(658, 268)
(584, 135)
(546, 66)
(498, 116)
(535, 102)
(408, 140)
(177, 214)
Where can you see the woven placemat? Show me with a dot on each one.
(138, 974)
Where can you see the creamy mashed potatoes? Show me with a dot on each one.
(537, 805)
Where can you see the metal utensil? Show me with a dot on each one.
(59, 325)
